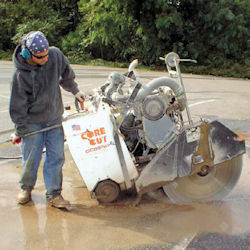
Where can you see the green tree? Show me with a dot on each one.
(109, 28)
(54, 18)
(216, 31)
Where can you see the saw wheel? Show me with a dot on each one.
(211, 183)
(107, 191)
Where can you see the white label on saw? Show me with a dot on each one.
(193, 134)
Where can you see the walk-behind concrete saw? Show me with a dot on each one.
(135, 137)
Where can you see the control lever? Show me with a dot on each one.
(134, 93)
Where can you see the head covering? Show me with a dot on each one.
(36, 42)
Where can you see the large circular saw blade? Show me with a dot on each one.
(214, 185)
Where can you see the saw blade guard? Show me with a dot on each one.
(196, 151)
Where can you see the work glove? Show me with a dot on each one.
(15, 138)
(80, 96)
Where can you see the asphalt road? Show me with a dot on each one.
(154, 224)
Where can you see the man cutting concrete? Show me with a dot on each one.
(35, 104)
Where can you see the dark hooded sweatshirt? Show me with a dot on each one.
(35, 90)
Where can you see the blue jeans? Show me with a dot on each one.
(32, 148)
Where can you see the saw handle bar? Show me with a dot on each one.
(37, 131)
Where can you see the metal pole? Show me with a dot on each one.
(43, 130)
(180, 79)
(35, 132)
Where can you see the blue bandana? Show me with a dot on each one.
(36, 42)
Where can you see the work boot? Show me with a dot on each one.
(58, 202)
(24, 196)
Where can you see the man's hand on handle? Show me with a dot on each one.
(80, 96)
(15, 139)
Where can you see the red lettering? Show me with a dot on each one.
(102, 130)
(83, 136)
(90, 134)
(92, 142)
(96, 148)
(97, 133)
(99, 140)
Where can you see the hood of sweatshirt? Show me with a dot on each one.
(20, 62)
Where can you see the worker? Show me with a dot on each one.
(35, 104)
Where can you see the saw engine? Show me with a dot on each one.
(140, 140)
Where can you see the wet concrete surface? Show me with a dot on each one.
(155, 223)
